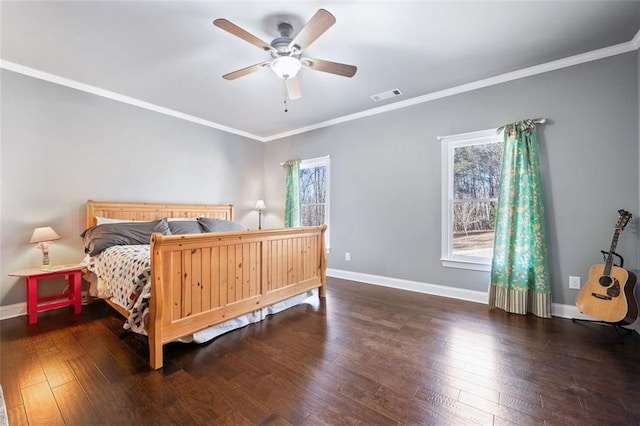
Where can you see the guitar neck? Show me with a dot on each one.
(614, 243)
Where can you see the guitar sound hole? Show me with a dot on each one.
(605, 280)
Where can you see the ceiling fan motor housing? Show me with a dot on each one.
(285, 29)
(281, 44)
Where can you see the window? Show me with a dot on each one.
(314, 193)
(471, 164)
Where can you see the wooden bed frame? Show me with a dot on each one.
(200, 280)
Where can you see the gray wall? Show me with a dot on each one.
(386, 185)
(61, 147)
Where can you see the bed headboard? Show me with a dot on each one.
(154, 211)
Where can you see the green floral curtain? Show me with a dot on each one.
(520, 281)
(292, 200)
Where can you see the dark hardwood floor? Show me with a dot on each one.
(367, 355)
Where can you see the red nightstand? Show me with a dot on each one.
(37, 304)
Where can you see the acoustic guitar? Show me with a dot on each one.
(608, 293)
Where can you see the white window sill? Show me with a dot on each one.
(466, 264)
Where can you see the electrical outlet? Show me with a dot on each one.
(347, 256)
(574, 282)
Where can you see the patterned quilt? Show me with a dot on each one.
(124, 274)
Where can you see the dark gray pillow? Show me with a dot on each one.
(100, 237)
(218, 225)
(178, 227)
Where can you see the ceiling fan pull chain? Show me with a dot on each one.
(285, 98)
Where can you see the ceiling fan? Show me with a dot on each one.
(286, 52)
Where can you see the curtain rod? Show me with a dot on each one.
(295, 161)
(533, 120)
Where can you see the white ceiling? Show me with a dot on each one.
(169, 54)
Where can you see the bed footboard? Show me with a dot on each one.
(205, 279)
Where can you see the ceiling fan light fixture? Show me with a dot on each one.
(286, 67)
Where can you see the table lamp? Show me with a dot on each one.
(260, 206)
(43, 237)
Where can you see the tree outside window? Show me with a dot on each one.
(314, 193)
(471, 177)
(476, 176)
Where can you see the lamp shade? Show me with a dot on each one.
(45, 233)
(260, 205)
(286, 67)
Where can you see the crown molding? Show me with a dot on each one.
(56, 79)
(635, 41)
(606, 52)
(570, 61)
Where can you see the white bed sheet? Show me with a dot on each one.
(258, 315)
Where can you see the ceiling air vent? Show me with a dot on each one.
(386, 95)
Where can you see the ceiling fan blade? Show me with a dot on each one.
(317, 25)
(293, 88)
(244, 71)
(245, 35)
(330, 67)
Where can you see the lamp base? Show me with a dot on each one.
(45, 256)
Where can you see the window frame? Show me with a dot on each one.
(326, 162)
(449, 143)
